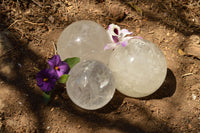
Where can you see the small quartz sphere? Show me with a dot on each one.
(85, 39)
(139, 68)
(90, 84)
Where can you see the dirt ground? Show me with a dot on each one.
(28, 29)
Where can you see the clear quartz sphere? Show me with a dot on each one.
(90, 84)
(85, 39)
(139, 68)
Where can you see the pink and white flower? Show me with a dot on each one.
(118, 36)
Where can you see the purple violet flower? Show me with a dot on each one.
(117, 36)
(59, 66)
(46, 79)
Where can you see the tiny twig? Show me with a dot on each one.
(25, 22)
(22, 33)
(13, 23)
(35, 68)
(110, 18)
(34, 23)
(187, 74)
(37, 3)
(122, 24)
(55, 48)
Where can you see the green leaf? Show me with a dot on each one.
(63, 78)
(46, 97)
(72, 61)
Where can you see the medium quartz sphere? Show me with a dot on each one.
(85, 39)
(139, 68)
(90, 85)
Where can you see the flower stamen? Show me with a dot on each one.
(45, 79)
(56, 68)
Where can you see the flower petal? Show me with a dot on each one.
(64, 67)
(114, 29)
(109, 26)
(54, 61)
(125, 32)
(52, 83)
(115, 39)
(127, 38)
(110, 46)
(39, 82)
(45, 86)
(118, 36)
(110, 37)
(49, 87)
(59, 73)
(50, 74)
(58, 60)
(124, 43)
(138, 37)
(51, 63)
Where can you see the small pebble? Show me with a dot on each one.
(56, 97)
(189, 126)
(168, 33)
(51, 19)
(52, 109)
(19, 64)
(20, 103)
(194, 96)
(48, 127)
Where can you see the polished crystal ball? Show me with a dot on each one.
(85, 39)
(139, 68)
(90, 85)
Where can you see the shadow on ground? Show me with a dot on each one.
(167, 89)
(173, 14)
(22, 54)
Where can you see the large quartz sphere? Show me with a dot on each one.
(85, 39)
(90, 85)
(139, 68)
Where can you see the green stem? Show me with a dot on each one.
(36, 69)
(46, 97)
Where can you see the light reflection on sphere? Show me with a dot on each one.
(90, 85)
(139, 68)
(85, 39)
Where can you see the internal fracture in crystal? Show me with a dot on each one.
(90, 85)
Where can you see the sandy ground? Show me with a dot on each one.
(27, 31)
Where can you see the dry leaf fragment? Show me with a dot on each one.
(137, 8)
(181, 52)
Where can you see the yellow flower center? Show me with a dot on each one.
(56, 68)
(45, 79)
